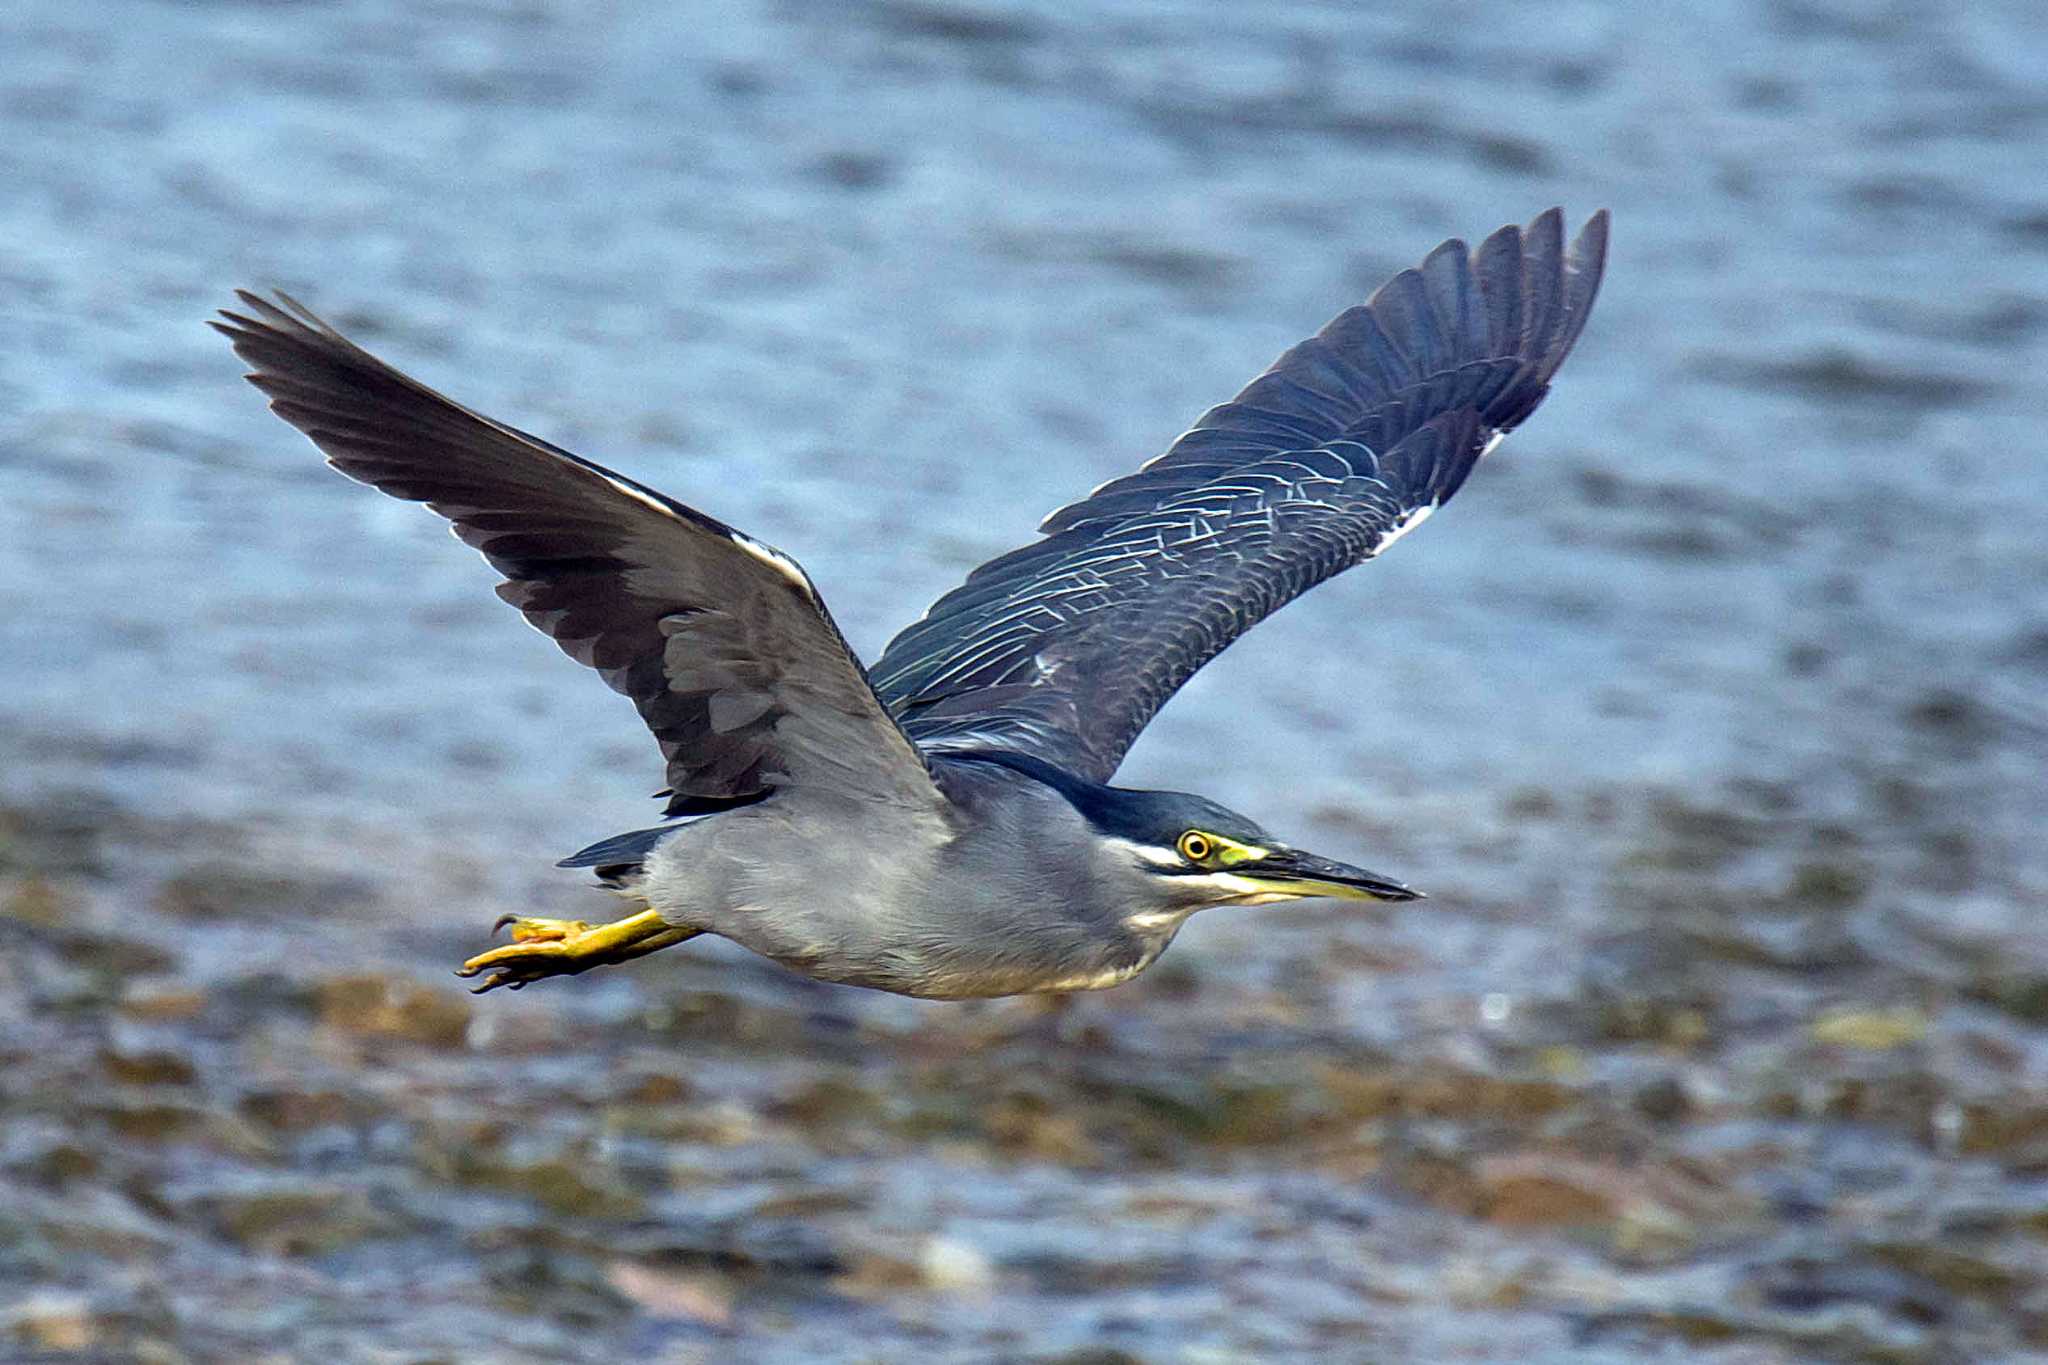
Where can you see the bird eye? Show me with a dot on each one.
(1196, 846)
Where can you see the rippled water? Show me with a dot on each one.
(1712, 716)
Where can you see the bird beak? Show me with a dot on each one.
(1290, 873)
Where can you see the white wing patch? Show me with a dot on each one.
(1408, 522)
(619, 485)
(775, 560)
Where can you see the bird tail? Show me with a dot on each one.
(620, 856)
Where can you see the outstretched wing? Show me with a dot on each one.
(721, 641)
(1065, 648)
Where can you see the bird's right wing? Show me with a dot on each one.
(721, 641)
(1065, 648)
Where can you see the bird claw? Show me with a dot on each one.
(542, 948)
(539, 948)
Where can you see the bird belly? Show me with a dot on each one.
(880, 906)
(881, 948)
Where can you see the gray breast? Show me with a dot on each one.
(1024, 897)
(1008, 895)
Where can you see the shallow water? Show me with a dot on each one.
(1711, 716)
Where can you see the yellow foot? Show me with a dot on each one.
(563, 947)
(525, 930)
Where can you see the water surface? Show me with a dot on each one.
(1710, 715)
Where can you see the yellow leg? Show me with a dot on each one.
(563, 947)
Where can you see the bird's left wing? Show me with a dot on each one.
(1064, 649)
(722, 642)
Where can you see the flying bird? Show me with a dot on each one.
(942, 823)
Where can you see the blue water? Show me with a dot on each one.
(881, 284)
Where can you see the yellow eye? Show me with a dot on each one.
(1196, 846)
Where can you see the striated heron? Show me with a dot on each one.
(941, 824)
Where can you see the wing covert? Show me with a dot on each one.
(1066, 647)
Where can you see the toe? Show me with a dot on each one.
(544, 930)
(534, 956)
(526, 929)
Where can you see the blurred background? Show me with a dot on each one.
(1711, 716)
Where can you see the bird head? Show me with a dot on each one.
(1196, 853)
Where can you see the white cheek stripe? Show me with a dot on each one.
(1230, 881)
(1248, 891)
(1253, 892)
(1146, 853)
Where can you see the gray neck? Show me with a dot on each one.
(1075, 899)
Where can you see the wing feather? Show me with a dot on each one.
(722, 643)
(1065, 648)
